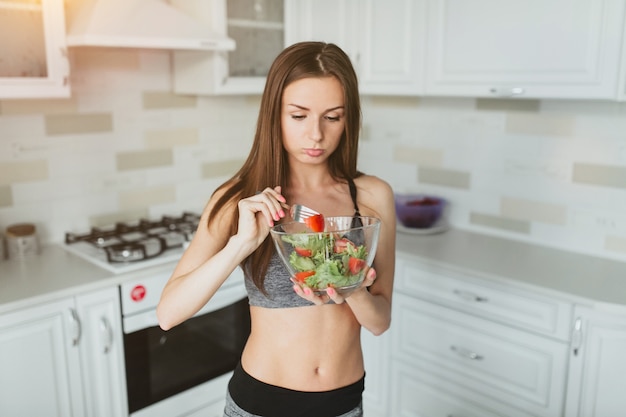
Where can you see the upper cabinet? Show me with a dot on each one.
(385, 40)
(33, 55)
(257, 26)
(534, 49)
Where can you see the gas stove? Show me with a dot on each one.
(134, 245)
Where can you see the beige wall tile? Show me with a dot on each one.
(144, 159)
(113, 59)
(221, 168)
(6, 196)
(445, 177)
(491, 104)
(603, 175)
(533, 211)
(615, 244)
(147, 196)
(165, 100)
(43, 106)
(122, 216)
(11, 172)
(394, 101)
(68, 124)
(498, 222)
(531, 124)
(158, 139)
(420, 156)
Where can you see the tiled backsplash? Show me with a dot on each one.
(551, 172)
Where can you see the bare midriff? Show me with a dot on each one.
(315, 348)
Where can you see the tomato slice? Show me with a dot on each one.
(356, 265)
(303, 275)
(315, 222)
(303, 252)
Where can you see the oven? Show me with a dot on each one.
(184, 371)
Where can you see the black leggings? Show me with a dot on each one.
(259, 398)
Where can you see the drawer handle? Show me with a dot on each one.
(470, 296)
(466, 353)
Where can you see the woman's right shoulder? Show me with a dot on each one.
(225, 212)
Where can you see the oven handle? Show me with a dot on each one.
(225, 296)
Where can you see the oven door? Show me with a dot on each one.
(186, 367)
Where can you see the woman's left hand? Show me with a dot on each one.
(331, 294)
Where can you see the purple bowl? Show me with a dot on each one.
(419, 211)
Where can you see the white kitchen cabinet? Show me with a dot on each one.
(465, 345)
(33, 53)
(102, 353)
(530, 49)
(257, 26)
(54, 362)
(377, 361)
(385, 40)
(597, 365)
(40, 363)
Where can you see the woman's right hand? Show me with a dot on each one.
(258, 213)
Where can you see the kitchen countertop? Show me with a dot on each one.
(580, 278)
(54, 274)
(599, 282)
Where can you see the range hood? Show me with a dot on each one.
(140, 24)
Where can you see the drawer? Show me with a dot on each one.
(490, 299)
(415, 393)
(504, 364)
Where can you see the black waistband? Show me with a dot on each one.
(257, 397)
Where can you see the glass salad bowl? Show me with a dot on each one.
(337, 257)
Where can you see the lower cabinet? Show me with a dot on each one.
(473, 363)
(64, 358)
(377, 362)
(597, 365)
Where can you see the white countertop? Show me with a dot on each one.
(578, 277)
(57, 273)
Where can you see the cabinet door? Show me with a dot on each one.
(39, 362)
(33, 54)
(534, 48)
(376, 355)
(257, 26)
(333, 21)
(392, 36)
(102, 353)
(597, 365)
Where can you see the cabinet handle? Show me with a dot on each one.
(577, 335)
(105, 328)
(507, 92)
(466, 353)
(77, 329)
(466, 295)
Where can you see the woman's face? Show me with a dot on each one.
(312, 118)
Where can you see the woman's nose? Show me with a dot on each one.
(315, 130)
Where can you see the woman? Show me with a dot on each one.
(303, 356)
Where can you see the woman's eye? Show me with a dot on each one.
(297, 117)
(333, 118)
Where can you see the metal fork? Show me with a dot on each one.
(299, 212)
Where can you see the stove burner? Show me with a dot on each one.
(141, 240)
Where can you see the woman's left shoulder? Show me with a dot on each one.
(371, 184)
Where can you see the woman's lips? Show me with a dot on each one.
(314, 152)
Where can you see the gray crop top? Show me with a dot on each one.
(278, 286)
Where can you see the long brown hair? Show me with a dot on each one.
(267, 164)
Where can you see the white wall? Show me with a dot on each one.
(550, 172)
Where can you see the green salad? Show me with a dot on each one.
(324, 260)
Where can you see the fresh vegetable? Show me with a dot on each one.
(326, 260)
(303, 275)
(315, 222)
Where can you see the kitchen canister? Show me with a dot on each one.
(22, 241)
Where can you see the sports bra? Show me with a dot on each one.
(277, 283)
